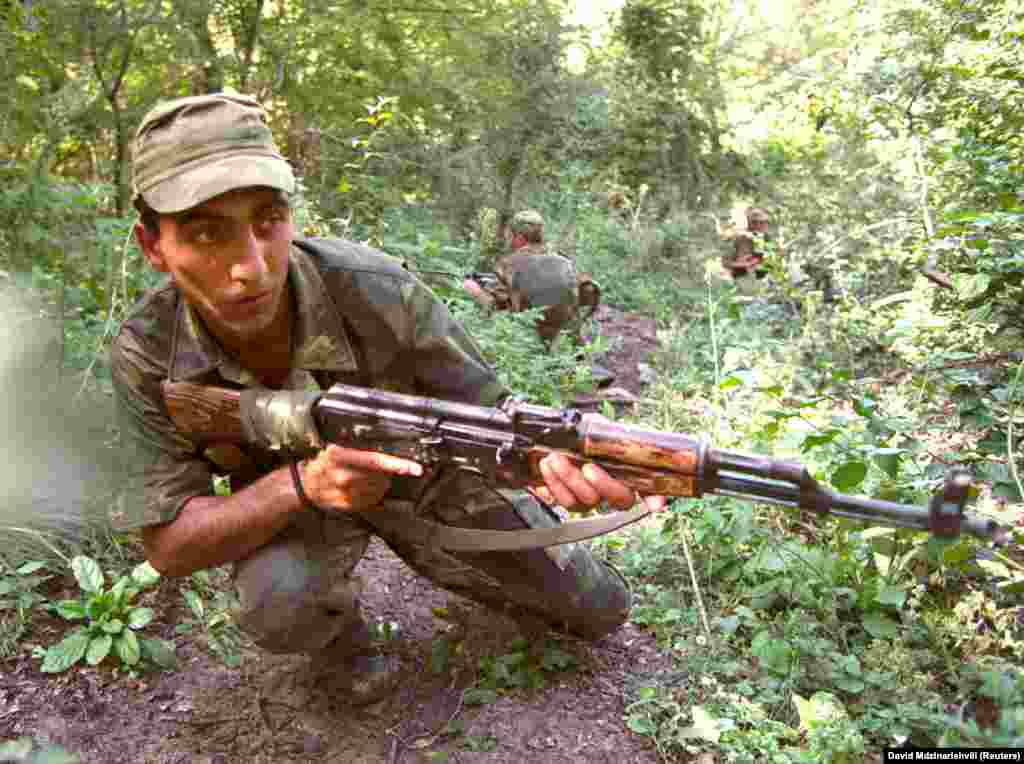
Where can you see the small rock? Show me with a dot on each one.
(647, 374)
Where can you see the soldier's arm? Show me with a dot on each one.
(214, 530)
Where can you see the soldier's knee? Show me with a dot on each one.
(289, 603)
(603, 601)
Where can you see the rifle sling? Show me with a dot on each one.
(435, 535)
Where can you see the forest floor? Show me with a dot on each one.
(205, 712)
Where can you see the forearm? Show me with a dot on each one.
(214, 530)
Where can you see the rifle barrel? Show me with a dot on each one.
(852, 507)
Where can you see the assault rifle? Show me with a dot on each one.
(505, 444)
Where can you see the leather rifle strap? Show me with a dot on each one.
(435, 535)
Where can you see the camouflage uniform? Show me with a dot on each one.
(533, 278)
(361, 319)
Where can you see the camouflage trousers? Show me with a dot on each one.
(298, 594)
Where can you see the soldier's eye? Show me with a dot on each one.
(205, 235)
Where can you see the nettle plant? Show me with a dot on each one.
(111, 621)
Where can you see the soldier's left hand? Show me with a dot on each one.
(575, 488)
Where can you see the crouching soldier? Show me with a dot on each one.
(530, 277)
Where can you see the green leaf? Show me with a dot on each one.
(968, 287)
(820, 439)
(195, 603)
(139, 617)
(127, 646)
(880, 626)
(113, 626)
(99, 605)
(889, 463)
(849, 476)
(87, 573)
(479, 697)
(642, 724)
(891, 595)
(705, 726)
(121, 591)
(29, 568)
(159, 651)
(440, 654)
(145, 575)
(66, 653)
(865, 407)
(822, 708)
(556, 659)
(99, 648)
(850, 685)
(70, 610)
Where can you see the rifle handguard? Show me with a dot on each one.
(280, 420)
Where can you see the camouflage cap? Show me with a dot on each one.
(523, 220)
(192, 149)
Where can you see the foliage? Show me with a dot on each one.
(525, 666)
(111, 621)
(210, 609)
(24, 751)
(19, 596)
(18, 585)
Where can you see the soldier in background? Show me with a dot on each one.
(748, 245)
(529, 276)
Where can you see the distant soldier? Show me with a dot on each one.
(530, 277)
(748, 242)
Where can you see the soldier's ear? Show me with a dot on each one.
(149, 243)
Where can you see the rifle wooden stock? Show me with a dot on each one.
(207, 414)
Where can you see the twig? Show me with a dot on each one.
(400, 743)
(109, 324)
(693, 578)
(639, 204)
(1009, 431)
(213, 722)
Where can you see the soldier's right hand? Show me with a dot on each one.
(349, 480)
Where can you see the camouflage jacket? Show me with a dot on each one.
(535, 278)
(361, 318)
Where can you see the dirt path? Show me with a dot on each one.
(263, 711)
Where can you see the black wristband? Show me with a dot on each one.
(293, 465)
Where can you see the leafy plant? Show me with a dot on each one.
(19, 597)
(18, 585)
(211, 616)
(111, 621)
(523, 667)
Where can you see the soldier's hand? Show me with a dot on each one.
(575, 488)
(349, 480)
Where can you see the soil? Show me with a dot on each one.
(266, 710)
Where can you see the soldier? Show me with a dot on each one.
(534, 278)
(249, 304)
(747, 255)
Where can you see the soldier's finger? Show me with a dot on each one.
(570, 476)
(372, 461)
(618, 495)
(559, 491)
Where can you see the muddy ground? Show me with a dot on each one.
(265, 710)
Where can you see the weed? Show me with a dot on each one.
(111, 621)
(24, 751)
(211, 616)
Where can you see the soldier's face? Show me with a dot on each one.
(229, 258)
